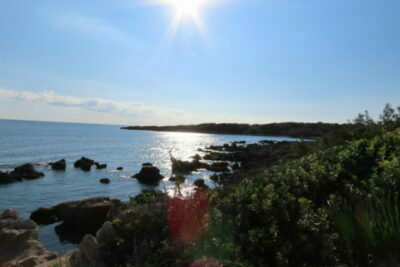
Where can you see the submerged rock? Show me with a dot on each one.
(84, 164)
(18, 242)
(104, 180)
(100, 166)
(149, 175)
(58, 165)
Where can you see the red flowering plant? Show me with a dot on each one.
(188, 218)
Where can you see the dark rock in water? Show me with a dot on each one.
(84, 163)
(219, 167)
(26, 171)
(147, 164)
(172, 179)
(86, 215)
(149, 175)
(120, 168)
(200, 183)
(105, 181)
(58, 165)
(44, 216)
(100, 166)
(6, 178)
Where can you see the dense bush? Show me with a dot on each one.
(282, 216)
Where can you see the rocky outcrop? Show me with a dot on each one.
(149, 175)
(84, 163)
(25, 171)
(88, 214)
(120, 168)
(18, 242)
(58, 165)
(88, 254)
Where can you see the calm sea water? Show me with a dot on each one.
(43, 142)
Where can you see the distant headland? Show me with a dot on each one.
(289, 129)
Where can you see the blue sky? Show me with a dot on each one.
(255, 61)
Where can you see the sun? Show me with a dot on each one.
(188, 8)
(186, 11)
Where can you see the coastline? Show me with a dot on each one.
(266, 135)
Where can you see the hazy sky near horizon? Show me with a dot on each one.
(255, 61)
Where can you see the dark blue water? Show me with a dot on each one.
(42, 142)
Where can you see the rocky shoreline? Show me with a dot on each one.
(98, 219)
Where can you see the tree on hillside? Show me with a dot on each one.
(388, 114)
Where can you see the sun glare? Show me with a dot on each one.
(187, 7)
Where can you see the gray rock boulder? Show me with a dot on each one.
(88, 254)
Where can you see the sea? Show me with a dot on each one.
(43, 142)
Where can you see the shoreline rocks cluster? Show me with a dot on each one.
(18, 242)
(26, 171)
(86, 164)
